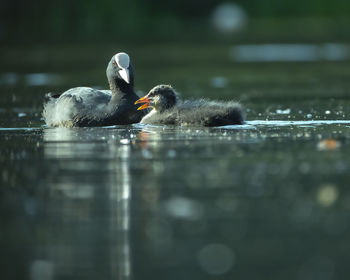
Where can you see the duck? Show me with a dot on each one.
(86, 107)
(168, 109)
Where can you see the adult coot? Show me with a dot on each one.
(84, 106)
(168, 109)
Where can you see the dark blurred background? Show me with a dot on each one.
(202, 47)
(261, 202)
(35, 21)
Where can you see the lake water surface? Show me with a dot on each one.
(266, 200)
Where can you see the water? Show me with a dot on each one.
(290, 52)
(266, 200)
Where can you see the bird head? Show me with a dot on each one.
(120, 68)
(160, 98)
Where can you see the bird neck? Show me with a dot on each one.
(119, 87)
(149, 115)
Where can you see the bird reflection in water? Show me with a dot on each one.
(90, 193)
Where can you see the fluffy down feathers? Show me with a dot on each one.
(200, 112)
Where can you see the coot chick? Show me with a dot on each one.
(84, 106)
(168, 109)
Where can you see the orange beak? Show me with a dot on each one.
(143, 100)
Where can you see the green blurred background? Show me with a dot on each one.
(267, 194)
(51, 46)
(38, 21)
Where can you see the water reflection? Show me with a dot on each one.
(148, 202)
(42, 79)
(289, 52)
(92, 183)
(33, 79)
(9, 79)
(266, 200)
(250, 196)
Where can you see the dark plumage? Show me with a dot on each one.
(84, 106)
(168, 109)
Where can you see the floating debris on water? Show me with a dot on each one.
(328, 145)
(283, 112)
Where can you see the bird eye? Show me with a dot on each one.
(114, 63)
